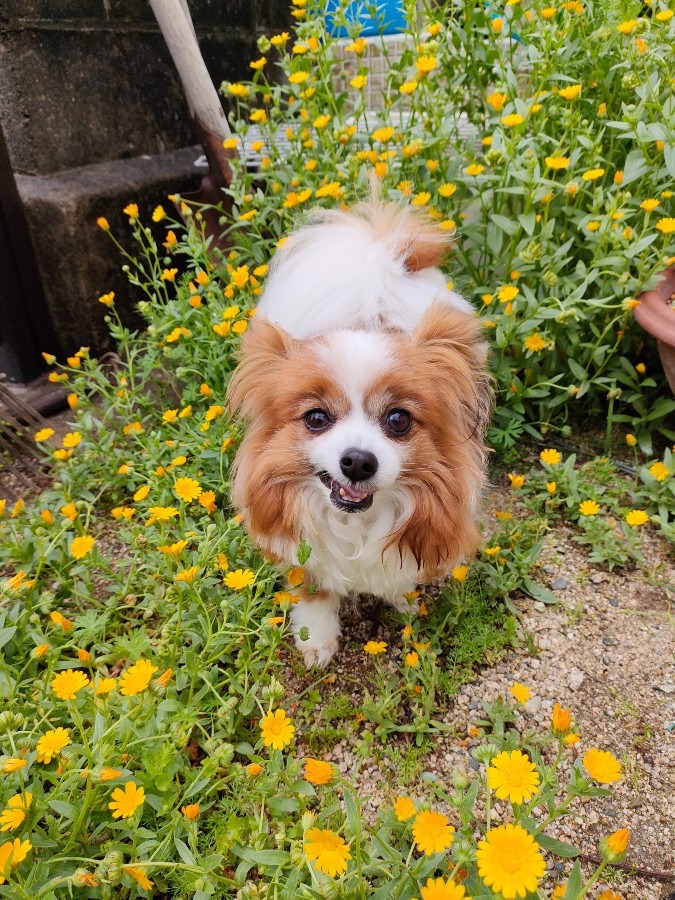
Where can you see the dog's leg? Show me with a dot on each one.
(319, 613)
(402, 605)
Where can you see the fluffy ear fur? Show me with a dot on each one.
(446, 335)
(446, 476)
(265, 349)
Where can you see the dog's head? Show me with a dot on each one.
(347, 419)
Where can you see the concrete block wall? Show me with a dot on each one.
(93, 114)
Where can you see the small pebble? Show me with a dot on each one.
(559, 584)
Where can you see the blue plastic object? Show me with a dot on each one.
(388, 19)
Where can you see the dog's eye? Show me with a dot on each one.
(398, 421)
(317, 420)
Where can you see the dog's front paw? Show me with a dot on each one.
(318, 621)
(316, 654)
(403, 605)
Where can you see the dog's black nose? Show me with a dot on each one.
(358, 465)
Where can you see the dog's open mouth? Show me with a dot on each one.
(346, 496)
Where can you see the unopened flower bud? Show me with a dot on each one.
(613, 847)
(273, 691)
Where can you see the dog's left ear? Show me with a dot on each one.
(265, 351)
(452, 343)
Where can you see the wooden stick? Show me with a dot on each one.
(209, 119)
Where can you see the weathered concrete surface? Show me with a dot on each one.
(92, 80)
(78, 262)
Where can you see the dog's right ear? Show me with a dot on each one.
(265, 351)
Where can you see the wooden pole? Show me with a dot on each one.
(175, 22)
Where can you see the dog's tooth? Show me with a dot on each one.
(343, 492)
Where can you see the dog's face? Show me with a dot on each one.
(346, 419)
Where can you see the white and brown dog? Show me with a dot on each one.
(364, 382)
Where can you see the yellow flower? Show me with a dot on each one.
(131, 210)
(438, 889)
(666, 226)
(81, 546)
(162, 513)
(208, 501)
(593, 174)
(383, 135)
(327, 850)
(43, 435)
(359, 82)
(105, 685)
(664, 16)
(631, 440)
(41, 649)
(404, 809)
(191, 811)
(550, 457)
(425, 65)
(459, 573)
(139, 876)
(279, 40)
(432, 832)
(447, 189)
(509, 861)
(51, 743)
(109, 774)
(276, 729)
(103, 223)
(125, 801)
(15, 814)
(589, 508)
(474, 169)
(375, 647)
(497, 100)
(602, 766)
(409, 87)
(616, 843)
(187, 576)
(627, 27)
(561, 719)
(142, 493)
(507, 293)
(72, 439)
(411, 659)
(534, 342)
(358, 47)
(13, 765)
(513, 776)
(517, 481)
(593, 226)
(497, 24)
(318, 772)
(239, 579)
(174, 550)
(170, 415)
(258, 64)
(637, 517)
(650, 204)
(570, 92)
(557, 162)
(321, 121)
(548, 12)
(158, 214)
(66, 684)
(521, 692)
(123, 512)
(169, 274)
(513, 119)
(136, 678)
(421, 199)
(12, 853)
(60, 620)
(187, 489)
(659, 471)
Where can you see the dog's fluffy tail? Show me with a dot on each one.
(373, 266)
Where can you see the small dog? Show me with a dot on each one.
(364, 382)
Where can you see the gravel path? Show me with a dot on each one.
(607, 651)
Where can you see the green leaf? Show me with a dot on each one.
(506, 225)
(538, 591)
(573, 883)
(352, 814)
(6, 635)
(68, 810)
(262, 857)
(278, 806)
(304, 552)
(184, 851)
(557, 848)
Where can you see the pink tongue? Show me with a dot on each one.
(348, 492)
